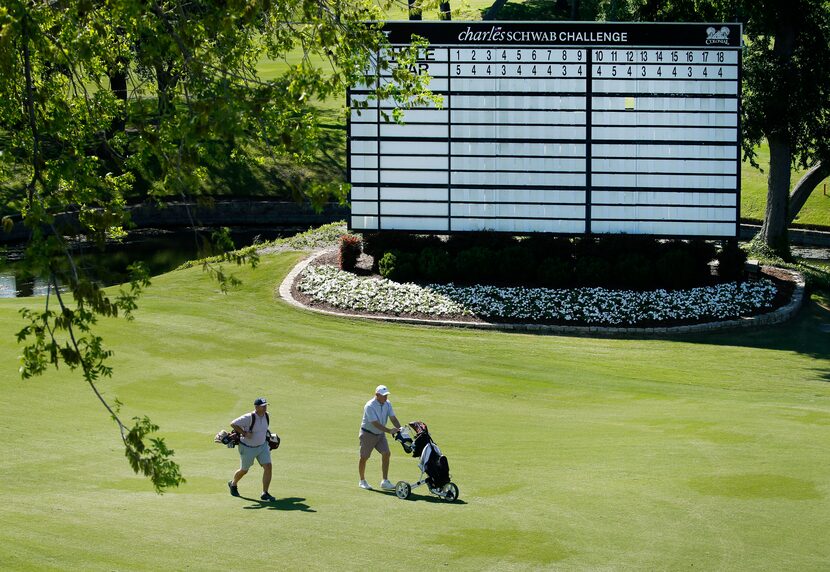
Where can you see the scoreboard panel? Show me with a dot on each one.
(566, 128)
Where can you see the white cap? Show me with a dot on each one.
(382, 390)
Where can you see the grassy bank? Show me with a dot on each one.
(571, 453)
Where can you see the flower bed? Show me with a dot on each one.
(592, 306)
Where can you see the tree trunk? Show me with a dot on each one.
(446, 11)
(165, 83)
(118, 85)
(493, 11)
(774, 230)
(804, 187)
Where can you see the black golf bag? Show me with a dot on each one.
(436, 466)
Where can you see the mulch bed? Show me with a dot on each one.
(782, 279)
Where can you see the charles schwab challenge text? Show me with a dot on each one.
(498, 34)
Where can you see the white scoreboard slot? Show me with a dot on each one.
(516, 83)
(672, 166)
(666, 104)
(516, 149)
(506, 210)
(666, 151)
(510, 179)
(674, 133)
(511, 101)
(518, 164)
(392, 147)
(659, 119)
(413, 223)
(677, 213)
(425, 194)
(677, 87)
(508, 195)
(685, 181)
(608, 197)
(413, 208)
(513, 116)
(681, 229)
(555, 226)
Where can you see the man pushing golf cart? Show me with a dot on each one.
(431, 462)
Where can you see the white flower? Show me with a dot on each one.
(594, 306)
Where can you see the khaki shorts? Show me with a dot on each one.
(248, 454)
(369, 441)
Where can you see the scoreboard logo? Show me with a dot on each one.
(714, 36)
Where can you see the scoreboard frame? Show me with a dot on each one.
(585, 154)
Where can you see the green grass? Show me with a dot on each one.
(570, 453)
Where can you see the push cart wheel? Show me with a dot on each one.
(403, 490)
(451, 492)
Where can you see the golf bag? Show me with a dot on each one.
(432, 462)
(231, 439)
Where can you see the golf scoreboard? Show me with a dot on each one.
(566, 128)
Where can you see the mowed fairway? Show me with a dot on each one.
(710, 453)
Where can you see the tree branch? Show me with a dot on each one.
(85, 366)
(804, 187)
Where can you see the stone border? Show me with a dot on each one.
(776, 317)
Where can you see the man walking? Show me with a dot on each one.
(253, 428)
(373, 435)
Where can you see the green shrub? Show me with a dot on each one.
(611, 248)
(675, 268)
(387, 264)
(586, 246)
(398, 266)
(515, 264)
(731, 260)
(592, 271)
(434, 264)
(632, 271)
(703, 252)
(349, 251)
(474, 265)
(491, 240)
(555, 273)
(544, 246)
(379, 243)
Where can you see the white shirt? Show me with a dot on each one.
(258, 435)
(374, 411)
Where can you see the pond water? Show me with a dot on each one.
(161, 251)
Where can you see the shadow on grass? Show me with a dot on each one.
(288, 503)
(416, 497)
(807, 334)
(433, 499)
